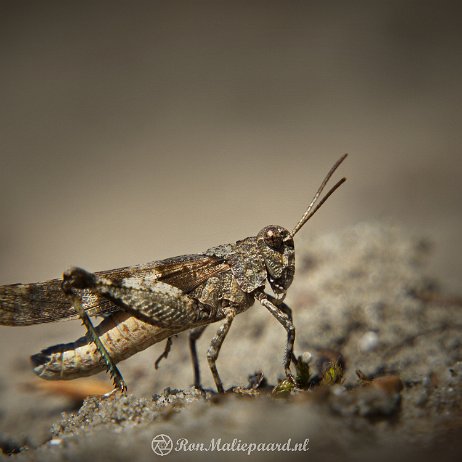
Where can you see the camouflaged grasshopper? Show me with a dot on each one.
(145, 304)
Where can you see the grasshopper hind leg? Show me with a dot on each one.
(118, 381)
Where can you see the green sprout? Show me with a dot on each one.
(332, 374)
(302, 367)
(283, 388)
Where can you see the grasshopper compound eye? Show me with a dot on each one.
(273, 237)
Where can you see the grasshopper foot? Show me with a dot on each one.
(119, 386)
(289, 376)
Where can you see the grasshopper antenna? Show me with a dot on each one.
(309, 212)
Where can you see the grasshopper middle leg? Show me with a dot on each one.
(194, 335)
(164, 354)
(215, 345)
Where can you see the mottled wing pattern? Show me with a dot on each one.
(189, 271)
(27, 304)
(160, 296)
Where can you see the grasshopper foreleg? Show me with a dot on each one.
(288, 311)
(284, 317)
(215, 345)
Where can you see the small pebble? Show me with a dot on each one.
(369, 341)
(55, 442)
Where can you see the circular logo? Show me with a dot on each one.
(162, 444)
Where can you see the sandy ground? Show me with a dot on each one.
(363, 293)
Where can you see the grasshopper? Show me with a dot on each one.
(145, 304)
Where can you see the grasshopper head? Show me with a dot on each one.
(276, 245)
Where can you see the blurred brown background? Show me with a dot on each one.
(135, 131)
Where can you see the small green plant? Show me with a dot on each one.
(332, 374)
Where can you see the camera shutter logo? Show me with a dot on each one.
(162, 444)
